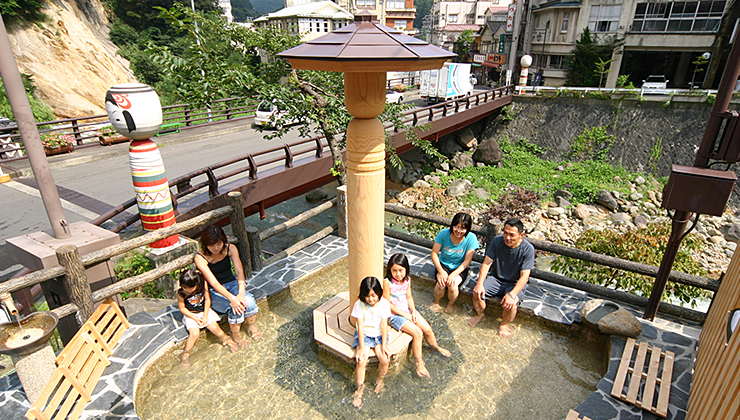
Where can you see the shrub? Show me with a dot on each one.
(645, 246)
(400, 87)
(131, 265)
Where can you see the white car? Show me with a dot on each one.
(391, 96)
(655, 84)
(267, 113)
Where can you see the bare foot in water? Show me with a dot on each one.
(504, 331)
(450, 309)
(254, 332)
(185, 359)
(239, 339)
(380, 387)
(421, 370)
(473, 321)
(231, 344)
(443, 352)
(435, 307)
(357, 396)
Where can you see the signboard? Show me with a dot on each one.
(510, 18)
(479, 58)
(502, 44)
(496, 58)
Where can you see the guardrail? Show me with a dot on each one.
(86, 131)
(617, 92)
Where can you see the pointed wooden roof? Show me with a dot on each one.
(366, 46)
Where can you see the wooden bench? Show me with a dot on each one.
(80, 365)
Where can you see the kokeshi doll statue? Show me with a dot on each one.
(135, 112)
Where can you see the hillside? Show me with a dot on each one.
(70, 57)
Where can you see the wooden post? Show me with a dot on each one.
(365, 100)
(342, 210)
(75, 280)
(255, 244)
(239, 229)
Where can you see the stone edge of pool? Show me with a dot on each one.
(152, 335)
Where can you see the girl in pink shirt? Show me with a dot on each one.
(397, 290)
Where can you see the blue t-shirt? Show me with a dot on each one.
(509, 262)
(451, 255)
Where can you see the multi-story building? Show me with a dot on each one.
(309, 20)
(451, 18)
(660, 37)
(226, 6)
(398, 14)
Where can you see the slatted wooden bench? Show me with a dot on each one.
(657, 377)
(574, 415)
(80, 364)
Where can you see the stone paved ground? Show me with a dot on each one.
(151, 335)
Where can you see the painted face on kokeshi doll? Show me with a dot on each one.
(134, 110)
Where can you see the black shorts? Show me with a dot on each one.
(463, 274)
(497, 288)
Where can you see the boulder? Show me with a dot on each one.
(639, 180)
(620, 322)
(582, 212)
(449, 146)
(462, 160)
(563, 193)
(620, 217)
(481, 193)
(635, 196)
(396, 174)
(731, 232)
(421, 184)
(410, 178)
(640, 221)
(459, 187)
(315, 196)
(467, 139)
(606, 199)
(488, 152)
(555, 212)
(538, 235)
(562, 202)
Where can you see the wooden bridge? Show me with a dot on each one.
(306, 164)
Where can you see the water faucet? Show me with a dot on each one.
(6, 299)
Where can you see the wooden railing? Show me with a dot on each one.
(252, 163)
(86, 130)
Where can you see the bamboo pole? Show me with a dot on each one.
(239, 229)
(75, 280)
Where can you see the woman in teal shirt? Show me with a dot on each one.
(451, 254)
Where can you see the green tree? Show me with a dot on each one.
(463, 43)
(242, 10)
(22, 10)
(602, 69)
(423, 8)
(41, 111)
(584, 58)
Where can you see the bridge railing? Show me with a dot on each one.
(251, 164)
(86, 131)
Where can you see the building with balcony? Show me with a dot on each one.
(451, 18)
(309, 20)
(398, 14)
(660, 38)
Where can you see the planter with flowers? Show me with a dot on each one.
(56, 143)
(400, 87)
(108, 135)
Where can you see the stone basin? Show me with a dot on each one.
(32, 334)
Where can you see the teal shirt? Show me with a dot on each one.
(451, 255)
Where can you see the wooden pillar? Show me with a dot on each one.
(75, 280)
(365, 99)
(239, 229)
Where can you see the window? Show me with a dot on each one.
(566, 21)
(452, 18)
(557, 62)
(395, 4)
(400, 25)
(367, 4)
(604, 18)
(680, 16)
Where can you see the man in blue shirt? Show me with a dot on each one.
(509, 260)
